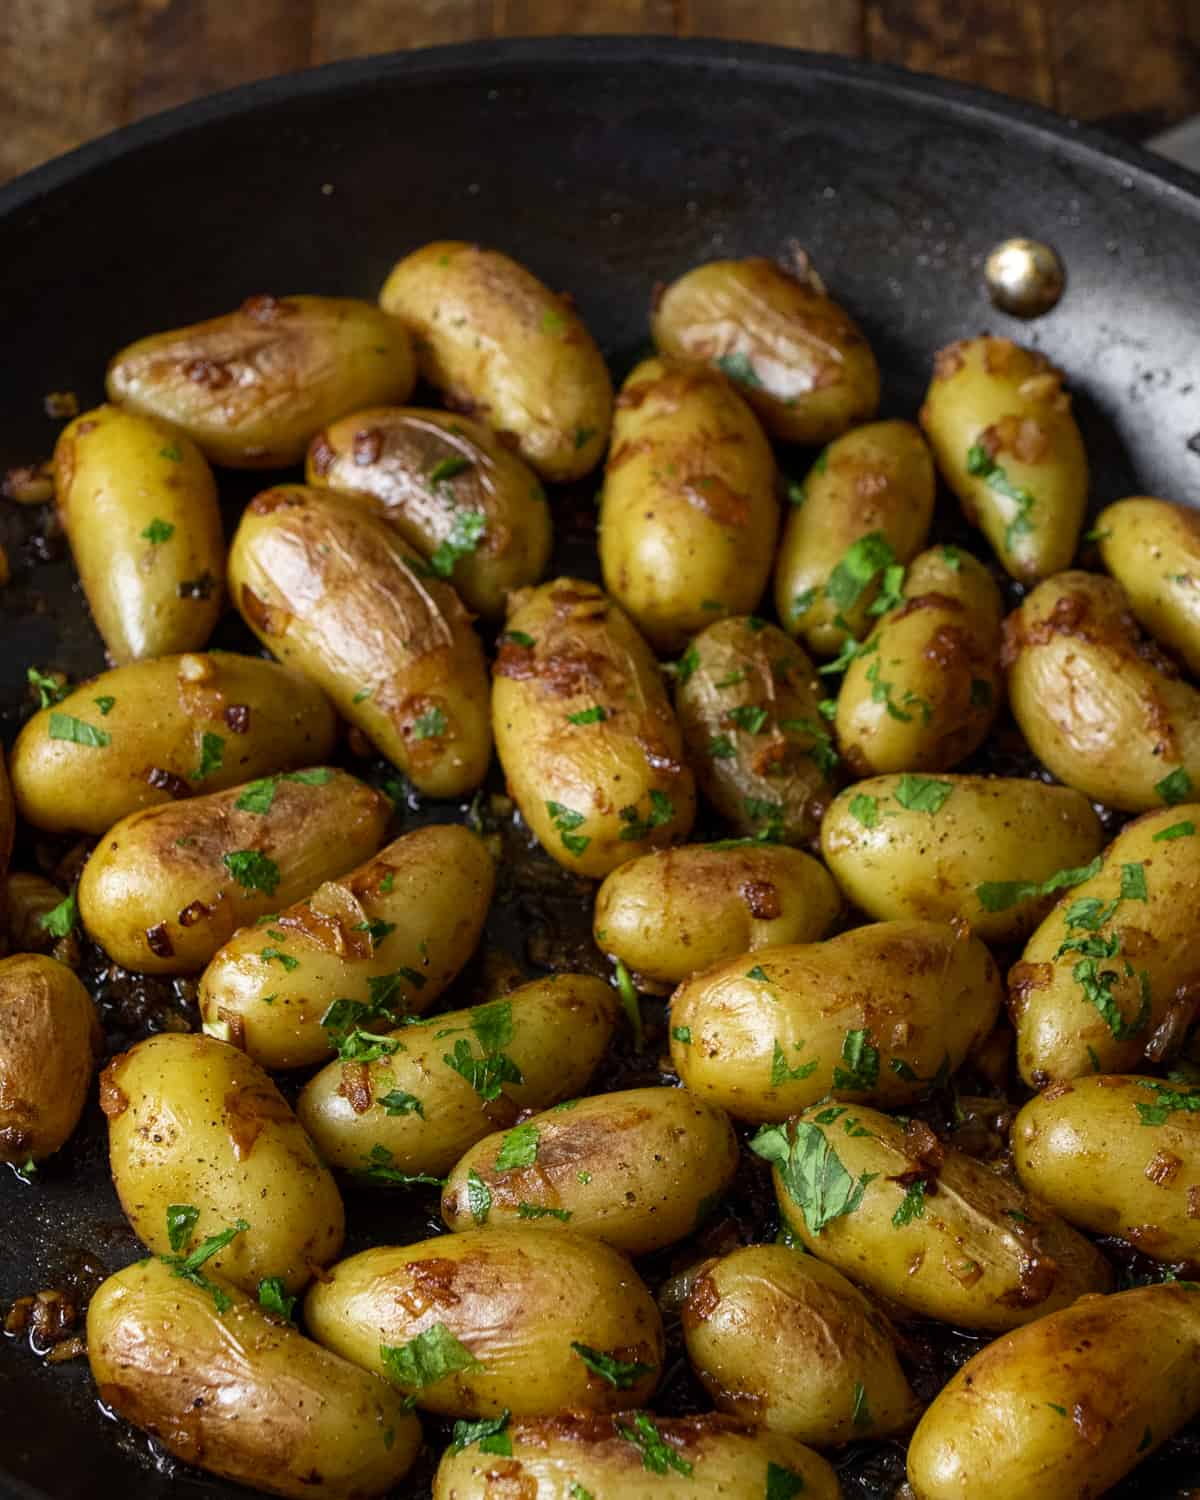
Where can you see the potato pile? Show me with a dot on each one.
(880, 929)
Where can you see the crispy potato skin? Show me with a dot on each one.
(632, 1168)
(688, 514)
(241, 1393)
(394, 455)
(922, 992)
(1066, 1407)
(894, 862)
(516, 1299)
(1152, 548)
(672, 913)
(994, 401)
(874, 479)
(50, 1039)
(501, 346)
(618, 779)
(328, 586)
(251, 388)
(159, 898)
(798, 357)
(116, 474)
(192, 1120)
(267, 718)
(1102, 708)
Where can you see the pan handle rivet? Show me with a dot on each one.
(1024, 277)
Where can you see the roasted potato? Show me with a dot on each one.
(1152, 548)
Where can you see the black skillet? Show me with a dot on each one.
(606, 166)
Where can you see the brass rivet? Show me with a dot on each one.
(1024, 277)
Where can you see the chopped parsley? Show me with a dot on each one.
(1176, 787)
(1133, 883)
(68, 727)
(465, 535)
(758, 973)
(1000, 895)
(274, 1296)
(447, 468)
(519, 1148)
(430, 724)
(721, 747)
(630, 1003)
(158, 531)
(657, 1456)
(171, 453)
(427, 1359)
(519, 638)
(782, 1483)
(377, 930)
(862, 1063)
(260, 795)
(181, 1220)
(821, 751)
(739, 368)
(269, 955)
(212, 756)
(105, 703)
(583, 436)
(750, 717)
(922, 793)
(49, 689)
(682, 669)
(682, 1034)
(489, 1072)
(865, 809)
(566, 820)
(913, 1206)
(1182, 830)
(479, 1198)
(981, 465)
(491, 1433)
(881, 692)
(540, 1211)
(781, 1073)
(862, 563)
(61, 919)
(662, 810)
(621, 1374)
(594, 715)
(861, 1415)
(379, 1168)
(764, 810)
(1166, 1101)
(811, 1171)
(252, 870)
(400, 1102)
(188, 1266)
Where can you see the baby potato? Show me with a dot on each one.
(578, 1454)
(1001, 429)
(923, 691)
(253, 386)
(637, 1169)
(590, 748)
(786, 1342)
(975, 847)
(865, 506)
(193, 1122)
(328, 586)
(495, 1320)
(803, 364)
(871, 1016)
(1107, 978)
(1152, 548)
(747, 700)
(155, 731)
(439, 477)
(26, 900)
(1100, 707)
(428, 1099)
(1065, 1408)
(688, 514)
(670, 914)
(240, 1392)
(382, 942)
(500, 345)
(929, 1228)
(49, 1042)
(139, 506)
(167, 886)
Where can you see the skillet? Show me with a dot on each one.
(606, 165)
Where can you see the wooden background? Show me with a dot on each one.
(72, 69)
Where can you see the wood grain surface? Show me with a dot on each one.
(72, 69)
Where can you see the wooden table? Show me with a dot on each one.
(72, 69)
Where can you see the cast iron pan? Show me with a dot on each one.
(605, 165)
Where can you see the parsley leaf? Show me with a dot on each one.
(981, 465)
(493, 1028)
(447, 468)
(913, 1206)
(377, 929)
(861, 1415)
(158, 531)
(519, 638)
(1133, 883)
(252, 870)
(865, 809)
(274, 1296)
(749, 716)
(1166, 1101)
(662, 810)
(739, 368)
(720, 747)
(50, 689)
(105, 703)
(1000, 895)
(682, 669)
(781, 1073)
(621, 1374)
(490, 1433)
(682, 1034)
(212, 756)
(61, 919)
(594, 715)
(630, 1003)
(258, 796)
(862, 1063)
(565, 820)
(1176, 787)
(811, 1171)
(519, 1148)
(430, 724)
(426, 1359)
(1176, 831)
(858, 568)
(821, 751)
(657, 1456)
(1097, 990)
(540, 1211)
(181, 1220)
(379, 1168)
(465, 535)
(188, 1266)
(479, 1197)
(782, 1483)
(68, 727)
(400, 1102)
(922, 793)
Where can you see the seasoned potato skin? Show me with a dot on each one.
(874, 479)
(561, 1026)
(192, 1120)
(328, 586)
(982, 1255)
(558, 1457)
(747, 701)
(670, 914)
(268, 719)
(252, 386)
(501, 346)
(432, 886)
(782, 1340)
(50, 1040)
(688, 514)
(1061, 1033)
(1099, 706)
(1006, 405)
(116, 473)
(924, 994)
(391, 454)
(619, 781)
(158, 897)
(633, 1168)
(241, 1393)
(1152, 548)
(516, 1299)
(1125, 1371)
(798, 357)
(904, 863)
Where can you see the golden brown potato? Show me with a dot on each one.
(500, 345)
(584, 731)
(139, 506)
(252, 387)
(168, 885)
(1001, 429)
(240, 1393)
(688, 514)
(193, 1123)
(799, 358)
(154, 731)
(1152, 548)
(328, 586)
